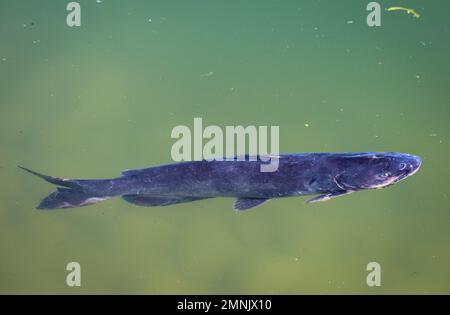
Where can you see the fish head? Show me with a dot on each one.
(375, 170)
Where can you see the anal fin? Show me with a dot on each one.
(248, 203)
(158, 201)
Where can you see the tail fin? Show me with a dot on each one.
(70, 197)
(67, 198)
(54, 180)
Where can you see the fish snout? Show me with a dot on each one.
(415, 163)
(410, 165)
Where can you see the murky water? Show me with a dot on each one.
(91, 101)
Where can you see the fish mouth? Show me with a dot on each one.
(388, 183)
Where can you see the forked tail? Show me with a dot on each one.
(71, 194)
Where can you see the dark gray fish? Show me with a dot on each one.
(328, 175)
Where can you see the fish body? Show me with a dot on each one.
(325, 174)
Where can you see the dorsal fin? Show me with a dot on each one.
(131, 172)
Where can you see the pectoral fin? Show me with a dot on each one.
(248, 203)
(157, 201)
(329, 196)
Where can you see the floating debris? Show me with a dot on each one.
(306, 125)
(207, 74)
(407, 10)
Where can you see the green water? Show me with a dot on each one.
(91, 101)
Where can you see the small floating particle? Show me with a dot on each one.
(306, 125)
(417, 76)
(350, 22)
(207, 74)
(433, 134)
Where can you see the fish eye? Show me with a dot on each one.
(385, 175)
(402, 166)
